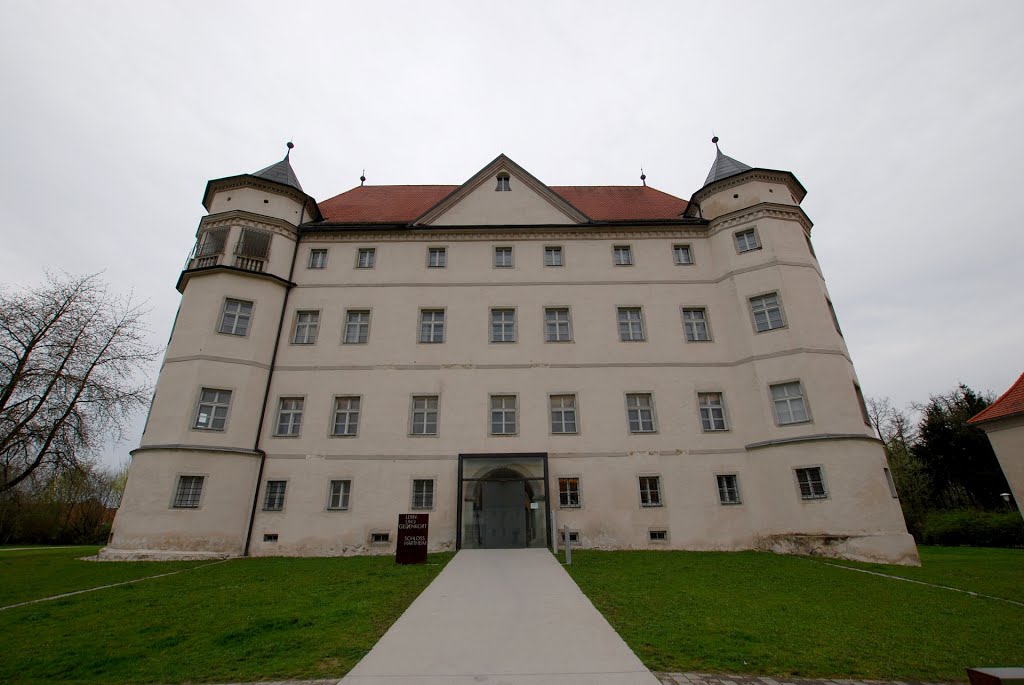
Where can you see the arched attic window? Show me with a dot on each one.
(503, 182)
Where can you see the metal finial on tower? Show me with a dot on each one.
(714, 139)
(362, 179)
(643, 176)
(289, 145)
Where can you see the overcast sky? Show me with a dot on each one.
(903, 120)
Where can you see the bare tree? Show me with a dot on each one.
(73, 363)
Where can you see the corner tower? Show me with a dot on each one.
(192, 479)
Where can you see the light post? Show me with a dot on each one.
(1006, 498)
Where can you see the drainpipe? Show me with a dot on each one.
(266, 391)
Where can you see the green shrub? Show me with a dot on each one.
(974, 528)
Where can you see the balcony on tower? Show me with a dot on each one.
(252, 249)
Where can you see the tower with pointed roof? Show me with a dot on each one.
(505, 355)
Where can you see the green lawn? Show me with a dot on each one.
(767, 614)
(243, 620)
(37, 572)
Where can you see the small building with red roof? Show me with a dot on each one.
(1003, 422)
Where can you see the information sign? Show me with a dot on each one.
(412, 539)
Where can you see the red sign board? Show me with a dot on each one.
(412, 539)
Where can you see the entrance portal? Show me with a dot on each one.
(503, 501)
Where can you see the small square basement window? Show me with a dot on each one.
(380, 538)
(270, 537)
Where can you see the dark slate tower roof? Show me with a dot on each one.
(281, 172)
(724, 166)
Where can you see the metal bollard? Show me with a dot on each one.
(568, 547)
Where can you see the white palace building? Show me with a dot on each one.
(659, 373)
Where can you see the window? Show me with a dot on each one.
(422, 494)
(236, 316)
(891, 482)
(338, 495)
(306, 326)
(211, 243)
(832, 312)
(631, 325)
(270, 537)
(253, 243)
(650, 491)
(553, 256)
(380, 538)
(503, 325)
(695, 324)
(437, 257)
(657, 535)
(213, 409)
(503, 257)
(357, 327)
(622, 255)
(289, 416)
(563, 414)
(556, 325)
(190, 489)
(640, 413)
(569, 493)
(747, 241)
(346, 416)
(682, 254)
(424, 415)
(767, 311)
(789, 405)
(366, 258)
(712, 411)
(811, 482)
(317, 259)
(503, 415)
(728, 489)
(503, 183)
(863, 405)
(273, 498)
(431, 325)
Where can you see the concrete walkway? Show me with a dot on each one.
(501, 617)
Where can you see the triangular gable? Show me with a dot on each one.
(477, 202)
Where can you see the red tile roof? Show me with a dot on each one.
(403, 204)
(1011, 403)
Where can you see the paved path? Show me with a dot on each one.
(720, 679)
(501, 617)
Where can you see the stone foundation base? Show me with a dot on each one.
(893, 548)
(112, 554)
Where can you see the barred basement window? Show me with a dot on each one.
(346, 416)
(270, 537)
(767, 311)
(422, 494)
(338, 495)
(212, 412)
(273, 499)
(189, 492)
(379, 538)
(728, 489)
(236, 316)
(569, 493)
(658, 535)
(650, 491)
(811, 483)
(289, 416)
(640, 412)
(574, 536)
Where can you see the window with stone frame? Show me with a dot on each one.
(650, 491)
(273, 498)
(640, 413)
(563, 414)
(236, 316)
(307, 325)
(422, 493)
(767, 312)
(504, 415)
(569, 493)
(357, 327)
(424, 415)
(189, 492)
(289, 416)
(212, 412)
(695, 324)
(712, 411)
(346, 416)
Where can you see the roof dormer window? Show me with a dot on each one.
(503, 182)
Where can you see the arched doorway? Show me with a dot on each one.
(503, 501)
